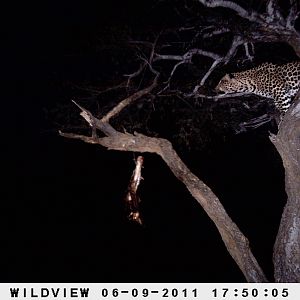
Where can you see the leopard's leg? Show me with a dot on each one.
(282, 103)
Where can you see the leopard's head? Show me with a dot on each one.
(233, 83)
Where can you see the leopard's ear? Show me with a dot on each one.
(228, 76)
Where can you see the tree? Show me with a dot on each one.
(160, 62)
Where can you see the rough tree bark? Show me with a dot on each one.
(287, 247)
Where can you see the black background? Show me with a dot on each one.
(65, 220)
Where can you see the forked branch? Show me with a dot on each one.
(270, 26)
(235, 242)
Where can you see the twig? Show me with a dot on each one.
(249, 56)
(118, 108)
(211, 69)
(135, 74)
(95, 91)
(293, 14)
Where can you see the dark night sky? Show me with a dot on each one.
(66, 218)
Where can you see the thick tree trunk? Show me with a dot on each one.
(286, 255)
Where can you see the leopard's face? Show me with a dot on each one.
(231, 83)
(278, 82)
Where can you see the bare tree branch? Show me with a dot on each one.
(145, 62)
(187, 59)
(249, 56)
(273, 11)
(270, 26)
(215, 32)
(235, 242)
(293, 14)
(195, 94)
(187, 56)
(95, 123)
(237, 41)
(136, 73)
(94, 91)
(254, 17)
(129, 100)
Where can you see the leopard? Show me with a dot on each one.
(278, 82)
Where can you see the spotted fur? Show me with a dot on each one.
(279, 82)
